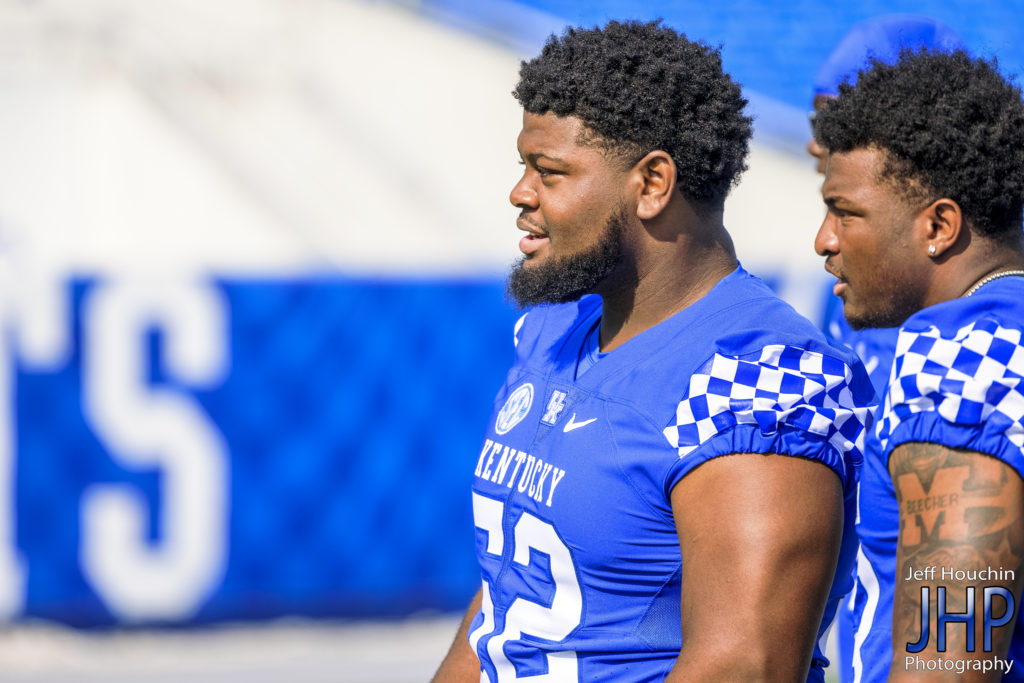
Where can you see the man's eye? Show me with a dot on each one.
(546, 172)
(540, 169)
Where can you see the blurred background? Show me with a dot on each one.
(251, 284)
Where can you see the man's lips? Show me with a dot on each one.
(533, 241)
(840, 286)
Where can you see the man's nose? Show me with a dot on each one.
(522, 195)
(825, 242)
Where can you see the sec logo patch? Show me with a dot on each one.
(515, 409)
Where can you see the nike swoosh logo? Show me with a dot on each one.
(571, 425)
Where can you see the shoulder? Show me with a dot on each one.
(976, 338)
(957, 374)
(779, 389)
(752, 340)
(771, 382)
(1001, 300)
(740, 326)
(750, 318)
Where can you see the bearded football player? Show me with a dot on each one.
(661, 488)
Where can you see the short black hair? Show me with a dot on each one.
(643, 87)
(949, 125)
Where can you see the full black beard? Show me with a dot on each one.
(568, 278)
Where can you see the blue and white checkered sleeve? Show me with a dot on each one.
(783, 399)
(962, 392)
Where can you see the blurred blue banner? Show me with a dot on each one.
(249, 449)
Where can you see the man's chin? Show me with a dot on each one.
(532, 283)
(857, 324)
(859, 319)
(530, 263)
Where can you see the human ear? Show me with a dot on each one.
(657, 175)
(943, 223)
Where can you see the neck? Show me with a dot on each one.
(666, 273)
(984, 259)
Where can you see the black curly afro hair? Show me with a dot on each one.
(641, 87)
(949, 125)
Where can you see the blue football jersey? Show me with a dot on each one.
(571, 496)
(955, 381)
(875, 347)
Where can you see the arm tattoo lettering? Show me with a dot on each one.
(959, 510)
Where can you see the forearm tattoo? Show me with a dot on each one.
(961, 525)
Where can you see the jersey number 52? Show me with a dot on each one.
(525, 617)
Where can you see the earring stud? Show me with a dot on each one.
(931, 250)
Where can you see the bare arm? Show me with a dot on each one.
(959, 510)
(760, 538)
(461, 663)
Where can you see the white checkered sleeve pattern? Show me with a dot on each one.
(780, 385)
(973, 378)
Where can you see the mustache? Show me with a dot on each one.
(833, 271)
(525, 220)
